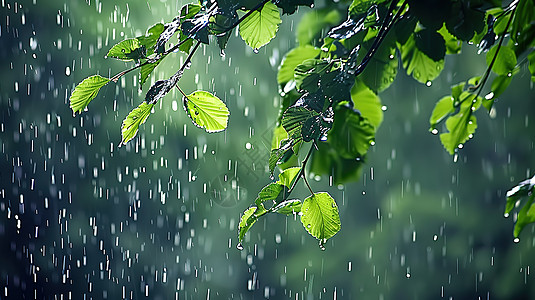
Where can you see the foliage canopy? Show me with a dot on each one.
(347, 53)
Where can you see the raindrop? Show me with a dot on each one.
(516, 240)
(239, 246)
(506, 215)
(255, 50)
(428, 83)
(434, 131)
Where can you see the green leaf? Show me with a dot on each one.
(135, 118)
(151, 37)
(146, 70)
(461, 126)
(294, 58)
(505, 62)
(294, 118)
(465, 19)
(531, 58)
(320, 216)
(307, 75)
(430, 13)
(206, 111)
(288, 176)
(442, 109)
(288, 207)
(272, 192)
(351, 135)
(498, 86)
(247, 220)
(526, 215)
(431, 43)
(86, 91)
(419, 65)
(313, 22)
(382, 69)
(128, 50)
(524, 14)
(277, 155)
(290, 6)
(328, 161)
(453, 45)
(260, 26)
(368, 103)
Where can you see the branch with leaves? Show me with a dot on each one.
(329, 82)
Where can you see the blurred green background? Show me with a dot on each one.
(81, 218)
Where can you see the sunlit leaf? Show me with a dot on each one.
(246, 222)
(294, 58)
(260, 26)
(135, 118)
(207, 111)
(288, 176)
(128, 50)
(442, 109)
(462, 125)
(320, 216)
(419, 65)
(368, 103)
(453, 45)
(272, 192)
(86, 91)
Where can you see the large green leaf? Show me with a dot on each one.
(135, 118)
(206, 111)
(418, 64)
(294, 58)
(128, 50)
(86, 91)
(382, 69)
(319, 216)
(260, 26)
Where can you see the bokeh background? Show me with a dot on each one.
(81, 218)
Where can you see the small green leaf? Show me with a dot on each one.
(307, 74)
(453, 45)
(505, 62)
(86, 91)
(128, 50)
(206, 111)
(135, 118)
(288, 207)
(288, 176)
(278, 155)
(294, 58)
(294, 118)
(260, 26)
(146, 70)
(526, 215)
(246, 222)
(271, 192)
(461, 126)
(442, 109)
(151, 37)
(320, 216)
(418, 64)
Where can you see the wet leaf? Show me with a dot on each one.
(417, 64)
(135, 118)
(442, 109)
(294, 58)
(128, 50)
(247, 220)
(288, 207)
(151, 37)
(288, 176)
(294, 118)
(261, 26)
(368, 103)
(531, 58)
(526, 215)
(313, 22)
(505, 62)
(272, 192)
(146, 70)
(86, 91)
(462, 125)
(320, 216)
(351, 135)
(207, 111)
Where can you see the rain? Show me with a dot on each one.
(82, 218)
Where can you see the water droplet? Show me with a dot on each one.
(428, 83)
(434, 131)
(239, 246)
(255, 50)
(506, 215)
